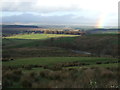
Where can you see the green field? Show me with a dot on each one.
(39, 36)
(55, 60)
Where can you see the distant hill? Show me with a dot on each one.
(19, 26)
(102, 30)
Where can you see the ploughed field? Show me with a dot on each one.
(47, 61)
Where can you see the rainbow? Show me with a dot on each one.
(101, 21)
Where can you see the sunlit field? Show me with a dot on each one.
(39, 36)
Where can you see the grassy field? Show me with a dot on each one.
(19, 43)
(21, 48)
(39, 36)
(55, 60)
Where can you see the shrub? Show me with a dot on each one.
(5, 59)
(56, 67)
(32, 74)
(115, 62)
(106, 62)
(17, 72)
(84, 68)
(54, 75)
(11, 59)
(107, 74)
(45, 67)
(28, 67)
(44, 73)
(83, 64)
(118, 61)
(6, 83)
(27, 80)
(98, 62)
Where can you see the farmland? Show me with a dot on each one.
(48, 61)
(39, 36)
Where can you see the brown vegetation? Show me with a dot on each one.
(94, 77)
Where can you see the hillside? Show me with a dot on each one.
(19, 26)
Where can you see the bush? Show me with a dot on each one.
(17, 72)
(56, 67)
(44, 73)
(5, 59)
(32, 74)
(25, 82)
(12, 75)
(54, 75)
(107, 74)
(28, 79)
(11, 59)
(106, 62)
(6, 83)
(28, 67)
(98, 62)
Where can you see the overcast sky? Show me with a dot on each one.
(82, 12)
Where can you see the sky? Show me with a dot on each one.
(98, 13)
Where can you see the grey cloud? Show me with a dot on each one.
(64, 19)
(31, 7)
